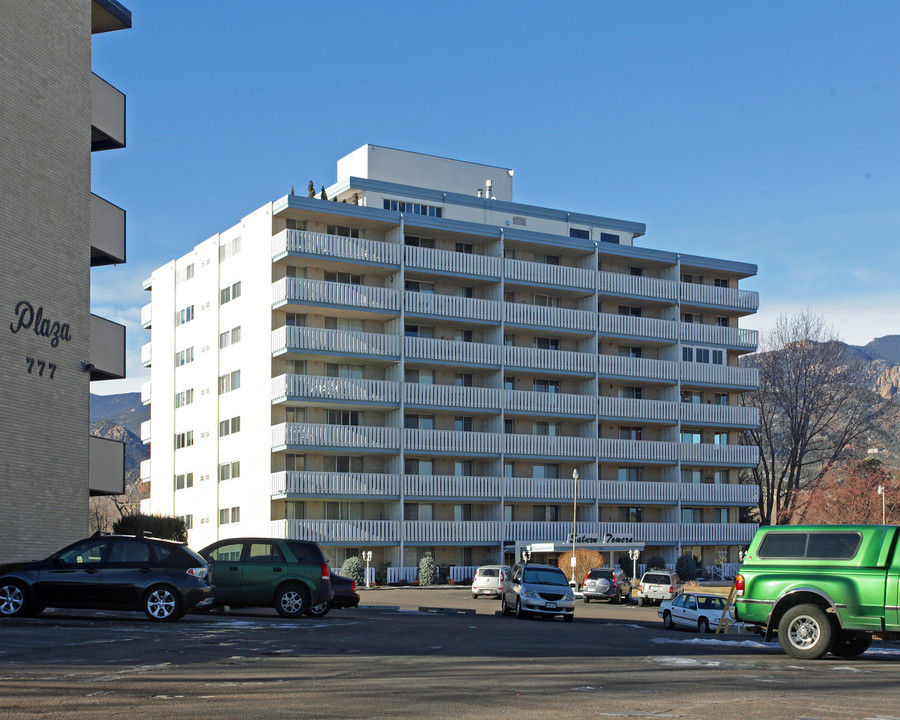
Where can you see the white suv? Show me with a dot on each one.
(537, 590)
(656, 586)
(488, 580)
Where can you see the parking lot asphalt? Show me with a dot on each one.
(387, 659)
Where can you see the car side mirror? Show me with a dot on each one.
(58, 561)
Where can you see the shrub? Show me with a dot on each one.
(585, 561)
(355, 569)
(160, 526)
(627, 565)
(686, 567)
(427, 571)
(656, 562)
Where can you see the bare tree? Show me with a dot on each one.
(848, 494)
(815, 407)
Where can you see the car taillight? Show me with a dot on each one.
(198, 572)
(671, 589)
(739, 585)
(353, 586)
(614, 582)
(640, 587)
(326, 573)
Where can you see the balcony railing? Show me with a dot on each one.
(717, 335)
(418, 303)
(542, 273)
(562, 360)
(145, 432)
(147, 316)
(636, 286)
(719, 375)
(321, 292)
(146, 393)
(700, 533)
(336, 436)
(450, 441)
(334, 388)
(733, 415)
(324, 342)
(312, 484)
(452, 262)
(145, 470)
(640, 327)
(638, 368)
(551, 317)
(146, 354)
(718, 296)
(637, 451)
(709, 454)
(715, 494)
(452, 351)
(638, 410)
(334, 246)
(339, 532)
(453, 487)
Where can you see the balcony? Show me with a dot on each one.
(107, 349)
(354, 437)
(723, 375)
(300, 291)
(147, 316)
(709, 454)
(339, 532)
(109, 15)
(665, 493)
(542, 274)
(636, 286)
(444, 261)
(549, 317)
(627, 368)
(107, 115)
(452, 487)
(146, 393)
(326, 484)
(650, 411)
(107, 232)
(671, 533)
(430, 304)
(301, 242)
(106, 466)
(145, 432)
(302, 387)
(538, 446)
(556, 360)
(145, 470)
(740, 338)
(637, 451)
(722, 415)
(444, 351)
(147, 354)
(714, 494)
(731, 298)
(320, 341)
(542, 403)
(626, 326)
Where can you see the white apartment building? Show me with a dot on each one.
(418, 366)
(53, 230)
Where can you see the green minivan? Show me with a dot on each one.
(289, 575)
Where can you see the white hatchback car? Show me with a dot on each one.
(697, 611)
(537, 590)
(488, 580)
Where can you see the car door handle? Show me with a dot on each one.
(90, 571)
(145, 570)
(276, 569)
(232, 567)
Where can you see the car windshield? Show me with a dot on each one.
(488, 572)
(542, 576)
(595, 574)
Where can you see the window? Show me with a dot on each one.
(462, 513)
(230, 248)
(832, 545)
(414, 241)
(691, 436)
(463, 380)
(464, 248)
(721, 282)
(720, 515)
(183, 481)
(295, 463)
(545, 471)
(293, 271)
(462, 468)
(343, 463)
(718, 357)
(702, 355)
(720, 438)
(342, 230)
(344, 370)
(687, 318)
(265, 553)
(629, 351)
(546, 301)
(183, 440)
(188, 521)
(465, 291)
(344, 417)
(295, 414)
(509, 296)
(230, 471)
(509, 339)
(345, 324)
(414, 208)
(418, 422)
(343, 277)
(609, 238)
(184, 357)
(295, 367)
(462, 423)
(509, 426)
(185, 397)
(189, 272)
(419, 377)
(184, 315)
(632, 392)
(230, 337)
(691, 476)
(420, 286)
(509, 383)
(229, 515)
(691, 396)
(230, 426)
(631, 474)
(636, 271)
(545, 513)
(721, 398)
(417, 466)
(631, 514)
(722, 321)
(548, 259)
(463, 336)
(579, 233)
(509, 470)
(418, 512)
(627, 432)
(422, 331)
(631, 310)
(691, 279)
(542, 427)
(546, 386)
(509, 254)
(720, 477)
(229, 381)
(228, 294)
(543, 343)
(298, 320)
(691, 515)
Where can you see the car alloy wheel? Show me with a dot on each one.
(520, 613)
(160, 603)
(12, 599)
(291, 602)
(320, 610)
(668, 623)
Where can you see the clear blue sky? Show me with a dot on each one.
(763, 132)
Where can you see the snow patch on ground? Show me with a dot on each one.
(711, 641)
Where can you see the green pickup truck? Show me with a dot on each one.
(822, 588)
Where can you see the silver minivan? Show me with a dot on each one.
(488, 580)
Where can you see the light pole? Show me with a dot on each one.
(367, 556)
(574, 520)
(881, 492)
(634, 555)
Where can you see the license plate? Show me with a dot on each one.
(551, 606)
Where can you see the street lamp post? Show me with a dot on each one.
(367, 556)
(634, 555)
(881, 492)
(574, 520)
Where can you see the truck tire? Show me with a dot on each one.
(850, 644)
(640, 601)
(805, 632)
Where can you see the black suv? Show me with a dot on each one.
(289, 575)
(163, 578)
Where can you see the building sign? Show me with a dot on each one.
(595, 540)
(26, 318)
